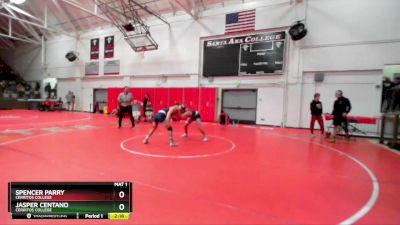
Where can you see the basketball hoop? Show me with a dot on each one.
(136, 33)
(141, 42)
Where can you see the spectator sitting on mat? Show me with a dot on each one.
(137, 110)
(46, 105)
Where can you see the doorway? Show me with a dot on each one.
(100, 97)
(241, 105)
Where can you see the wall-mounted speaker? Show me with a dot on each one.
(319, 77)
(298, 31)
(71, 56)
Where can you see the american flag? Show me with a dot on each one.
(240, 21)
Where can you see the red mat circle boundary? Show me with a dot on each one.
(375, 183)
(136, 152)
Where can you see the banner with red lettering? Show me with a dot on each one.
(109, 47)
(94, 48)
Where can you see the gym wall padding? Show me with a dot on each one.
(202, 99)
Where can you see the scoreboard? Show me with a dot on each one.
(70, 200)
(255, 54)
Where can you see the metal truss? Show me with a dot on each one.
(124, 14)
(35, 27)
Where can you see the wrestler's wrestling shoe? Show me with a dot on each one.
(146, 140)
(205, 138)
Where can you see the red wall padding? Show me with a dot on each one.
(136, 92)
(203, 99)
(175, 95)
(112, 98)
(208, 103)
(191, 98)
(161, 99)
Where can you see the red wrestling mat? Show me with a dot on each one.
(243, 175)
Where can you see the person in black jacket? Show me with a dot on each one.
(145, 101)
(341, 108)
(316, 113)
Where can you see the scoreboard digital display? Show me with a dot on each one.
(253, 54)
(70, 200)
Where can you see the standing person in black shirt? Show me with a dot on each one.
(387, 95)
(125, 101)
(341, 108)
(145, 101)
(316, 113)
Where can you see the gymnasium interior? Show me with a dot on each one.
(263, 112)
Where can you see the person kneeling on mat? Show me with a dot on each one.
(193, 115)
(164, 116)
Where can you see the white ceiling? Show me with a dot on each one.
(28, 20)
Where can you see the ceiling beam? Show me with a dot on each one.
(65, 15)
(202, 4)
(23, 12)
(3, 44)
(93, 13)
(149, 11)
(6, 27)
(8, 42)
(195, 7)
(157, 8)
(25, 26)
(37, 25)
(19, 39)
(178, 3)
(10, 30)
(10, 34)
(172, 7)
(45, 14)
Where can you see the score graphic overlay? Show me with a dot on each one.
(70, 200)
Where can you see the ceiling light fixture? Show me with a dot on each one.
(17, 2)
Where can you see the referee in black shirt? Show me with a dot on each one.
(125, 101)
(341, 108)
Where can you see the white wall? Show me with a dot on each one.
(359, 86)
(349, 40)
(270, 106)
(71, 84)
